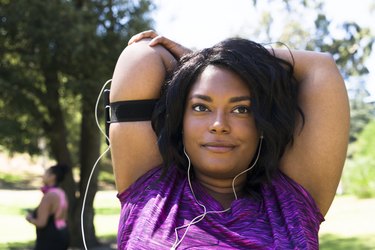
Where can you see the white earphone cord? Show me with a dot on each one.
(205, 212)
(193, 221)
(95, 164)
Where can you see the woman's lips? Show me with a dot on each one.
(219, 147)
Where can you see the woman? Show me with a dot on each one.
(245, 149)
(51, 215)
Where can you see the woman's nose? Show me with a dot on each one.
(219, 124)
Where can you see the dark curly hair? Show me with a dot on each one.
(274, 102)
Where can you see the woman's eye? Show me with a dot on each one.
(241, 110)
(200, 108)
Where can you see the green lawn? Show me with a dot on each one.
(349, 225)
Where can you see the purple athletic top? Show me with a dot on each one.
(285, 218)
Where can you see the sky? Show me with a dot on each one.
(202, 23)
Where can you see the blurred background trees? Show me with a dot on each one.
(351, 46)
(56, 55)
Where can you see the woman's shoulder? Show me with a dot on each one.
(55, 194)
(56, 191)
(291, 196)
(157, 179)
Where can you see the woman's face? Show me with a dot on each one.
(219, 130)
(49, 178)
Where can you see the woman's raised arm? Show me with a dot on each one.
(139, 74)
(316, 158)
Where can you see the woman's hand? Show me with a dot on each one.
(176, 49)
(30, 218)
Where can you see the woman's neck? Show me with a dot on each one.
(222, 190)
(47, 188)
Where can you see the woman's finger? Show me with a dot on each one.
(161, 40)
(175, 48)
(142, 35)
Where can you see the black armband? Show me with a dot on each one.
(132, 110)
(126, 111)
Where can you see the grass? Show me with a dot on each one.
(335, 242)
(107, 210)
(349, 224)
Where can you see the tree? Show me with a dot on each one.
(55, 57)
(350, 52)
(361, 112)
(350, 45)
(359, 174)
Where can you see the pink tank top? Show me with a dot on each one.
(63, 204)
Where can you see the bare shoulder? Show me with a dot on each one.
(49, 199)
(316, 158)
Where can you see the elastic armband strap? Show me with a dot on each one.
(132, 110)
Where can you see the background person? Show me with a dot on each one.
(50, 217)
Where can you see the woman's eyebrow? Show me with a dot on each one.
(239, 99)
(231, 100)
(203, 97)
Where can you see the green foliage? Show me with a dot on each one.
(107, 178)
(10, 178)
(53, 53)
(366, 142)
(55, 56)
(349, 43)
(34, 49)
(359, 177)
(349, 50)
(359, 172)
(361, 113)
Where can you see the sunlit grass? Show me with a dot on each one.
(17, 233)
(337, 242)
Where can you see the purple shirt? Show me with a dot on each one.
(285, 218)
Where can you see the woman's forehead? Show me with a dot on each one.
(216, 80)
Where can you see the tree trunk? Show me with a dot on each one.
(90, 149)
(56, 131)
